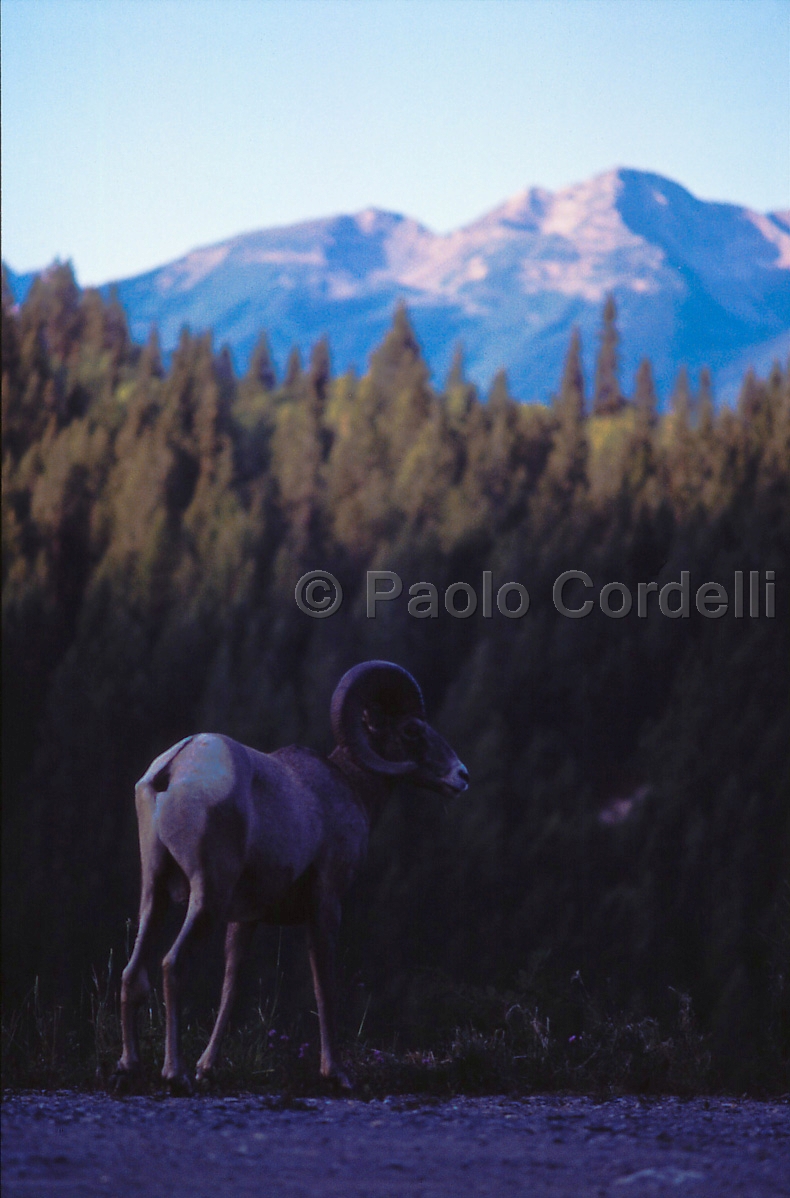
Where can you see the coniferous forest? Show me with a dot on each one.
(627, 828)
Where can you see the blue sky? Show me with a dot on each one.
(134, 131)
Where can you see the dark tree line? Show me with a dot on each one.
(628, 816)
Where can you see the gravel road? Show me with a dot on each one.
(72, 1144)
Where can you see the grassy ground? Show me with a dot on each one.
(471, 1041)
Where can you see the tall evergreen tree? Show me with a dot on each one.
(116, 330)
(320, 370)
(750, 398)
(456, 376)
(569, 404)
(608, 398)
(459, 392)
(261, 368)
(150, 363)
(705, 405)
(645, 399)
(566, 466)
(499, 399)
(223, 366)
(54, 303)
(399, 388)
(398, 365)
(293, 370)
(681, 400)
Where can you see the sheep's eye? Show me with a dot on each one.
(411, 733)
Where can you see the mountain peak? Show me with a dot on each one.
(696, 283)
(377, 220)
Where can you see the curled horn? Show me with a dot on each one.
(386, 684)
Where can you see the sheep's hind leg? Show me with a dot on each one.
(135, 984)
(173, 1070)
(237, 941)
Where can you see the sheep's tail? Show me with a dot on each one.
(156, 776)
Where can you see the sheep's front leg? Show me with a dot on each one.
(237, 941)
(322, 932)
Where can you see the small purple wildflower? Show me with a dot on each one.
(303, 1051)
(284, 1038)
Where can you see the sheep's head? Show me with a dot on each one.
(378, 716)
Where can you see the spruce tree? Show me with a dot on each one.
(223, 366)
(750, 397)
(566, 466)
(681, 401)
(460, 394)
(570, 403)
(398, 363)
(54, 303)
(261, 369)
(645, 399)
(320, 370)
(116, 330)
(499, 396)
(293, 369)
(456, 376)
(399, 388)
(608, 398)
(705, 404)
(150, 364)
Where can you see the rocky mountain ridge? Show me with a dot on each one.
(696, 283)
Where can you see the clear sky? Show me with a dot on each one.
(136, 130)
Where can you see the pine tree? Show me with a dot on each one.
(456, 376)
(645, 399)
(293, 370)
(750, 397)
(54, 303)
(499, 396)
(150, 364)
(705, 404)
(570, 403)
(566, 466)
(116, 331)
(399, 388)
(608, 398)
(320, 370)
(460, 394)
(681, 402)
(398, 363)
(16, 436)
(261, 368)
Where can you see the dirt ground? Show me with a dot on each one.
(72, 1144)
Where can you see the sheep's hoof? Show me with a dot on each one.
(339, 1082)
(124, 1081)
(179, 1086)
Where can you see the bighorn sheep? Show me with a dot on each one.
(275, 838)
